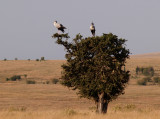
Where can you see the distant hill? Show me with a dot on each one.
(147, 55)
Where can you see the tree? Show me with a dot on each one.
(147, 71)
(95, 67)
(42, 58)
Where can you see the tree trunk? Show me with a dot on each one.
(102, 105)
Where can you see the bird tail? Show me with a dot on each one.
(93, 33)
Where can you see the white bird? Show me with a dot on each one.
(60, 27)
(92, 28)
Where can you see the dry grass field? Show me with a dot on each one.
(19, 100)
(79, 115)
(36, 70)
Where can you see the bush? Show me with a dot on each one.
(37, 59)
(156, 79)
(147, 71)
(142, 82)
(30, 82)
(47, 82)
(42, 59)
(5, 59)
(14, 78)
(55, 81)
(7, 79)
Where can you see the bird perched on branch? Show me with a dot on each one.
(60, 27)
(92, 28)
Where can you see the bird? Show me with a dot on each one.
(92, 28)
(60, 27)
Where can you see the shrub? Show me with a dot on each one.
(37, 59)
(7, 79)
(14, 78)
(147, 71)
(137, 70)
(42, 59)
(142, 82)
(55, 81)
(5, 59)
(47, 82)
(30, 82)
(156, 79)
(16, 59)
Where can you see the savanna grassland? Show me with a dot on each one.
(19, 100)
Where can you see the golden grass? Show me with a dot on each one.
(79, 115)
(144, 61)
(56, 97)
(39, 97)
(43, 70)
(48, 101)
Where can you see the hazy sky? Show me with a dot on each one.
(26, 26)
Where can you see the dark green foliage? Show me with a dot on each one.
(37, 59)
(137, 70)
(55, 81)
(7, 79)
(95, 65)
(16, 59)
(60, 36)
(14, 78)
(5, 59)
(156, 79)
(42, 58)
(147, 71)
(30, 82)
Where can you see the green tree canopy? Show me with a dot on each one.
(95, 66)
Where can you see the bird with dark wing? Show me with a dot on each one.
(92, 28)
(60, 27)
